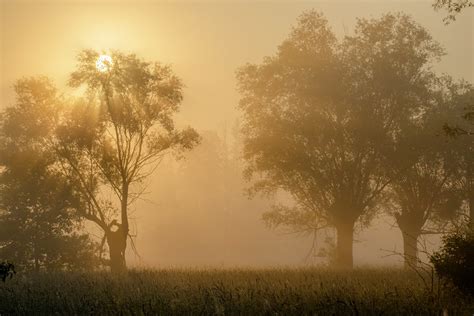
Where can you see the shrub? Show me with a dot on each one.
(455, 260)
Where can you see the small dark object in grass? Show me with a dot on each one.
(7, 269)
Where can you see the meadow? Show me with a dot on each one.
(230, 292)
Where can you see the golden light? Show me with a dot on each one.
(103, 63)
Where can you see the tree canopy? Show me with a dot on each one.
(322, 118)
(39, 222)
(114, 139)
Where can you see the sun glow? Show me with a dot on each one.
(103, 63)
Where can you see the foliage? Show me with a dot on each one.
(455, 260)
(453, 7)
(322, 118)
(463, 125)
(39, 220)
(112, 141)
(62, 156)
(429, 192)
(7, 270)
(461, 98)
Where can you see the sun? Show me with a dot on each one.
(103, 63)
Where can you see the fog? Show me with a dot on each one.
(196, 211)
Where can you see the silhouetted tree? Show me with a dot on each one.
(425, 194)
(465, 103)
(454, 7)
(39, 222)
(460, 96)
(321, 118)
(114, 140)
(430, 193)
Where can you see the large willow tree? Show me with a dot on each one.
(111, 141)
(322, 118)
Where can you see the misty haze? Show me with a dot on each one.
(237, 157)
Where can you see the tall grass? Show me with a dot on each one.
(229, 292)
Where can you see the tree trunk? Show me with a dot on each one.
(124, 209)
(410, 249)
(123, 228)
(345, 237)
(117, 245)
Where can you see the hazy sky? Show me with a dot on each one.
(205, 42)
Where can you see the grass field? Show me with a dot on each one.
(229, 292)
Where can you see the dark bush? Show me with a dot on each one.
(455, 260)
(7, 269)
